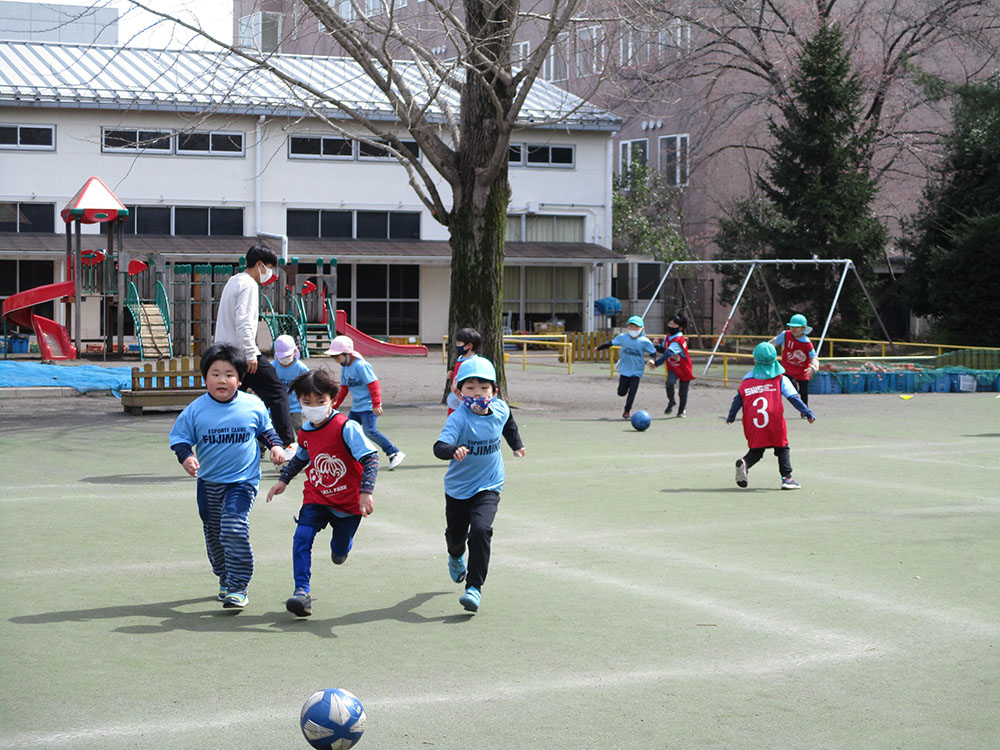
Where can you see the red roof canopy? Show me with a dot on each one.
(94, 203)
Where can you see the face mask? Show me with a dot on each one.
(672, 331)
(460, 346)
(635, 334)
(316, 414)
(287, 360)
(266, 274)
(479, 402)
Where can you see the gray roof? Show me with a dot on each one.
(230, 249)
(97, 76)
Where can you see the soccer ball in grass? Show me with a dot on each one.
(641, 420)
(332, 719)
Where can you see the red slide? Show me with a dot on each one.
(367, 346)
(53, 339)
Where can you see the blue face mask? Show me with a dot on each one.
(479, 402)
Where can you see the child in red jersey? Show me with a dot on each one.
(675, 354)
(759, 396)
(468, 341)
(798, 356)
(341, 465)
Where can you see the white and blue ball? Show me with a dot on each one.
(641, 420)
(332, 719)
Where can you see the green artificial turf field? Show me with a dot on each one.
(636, 599)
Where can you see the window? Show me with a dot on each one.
(375, 7)
(538, 155)
(28, 217)
(320, 147)
(195, 221)
(137, 141)
(362, 225)
(515, 154)
(632, 152)
(589, 50)
(549, 293)
(375, 151)
(556, 65)
(380, 299)
(214, 142)
(675, 40)
(28, 137)
(545, 228)
(261, 32)
(674, 159)
(519, 53)
(635, 45)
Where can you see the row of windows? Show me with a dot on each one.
(673, 157)
(637, 46)
(338, 147)
(361, 225)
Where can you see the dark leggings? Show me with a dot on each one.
(470, 521)
(784, 459)
(269, 388)
(627, 386)
(685, 384)
(803, 388)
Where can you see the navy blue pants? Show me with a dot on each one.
(312, 519)
(470, 520)
(225, 518)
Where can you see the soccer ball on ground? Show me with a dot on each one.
(332, 719)
(641, 420)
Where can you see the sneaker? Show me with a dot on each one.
(223, 592)
(470, 599)
(456, 567)
(396, 459)
(741, 473)
(626, 415)
(290, 451)
(338, 559)
(235, 600)
(670, 408)
(681, 414)
(787, 483)
(300, 603)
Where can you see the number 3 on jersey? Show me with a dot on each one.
(761, 418)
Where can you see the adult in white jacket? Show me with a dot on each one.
(239, 315)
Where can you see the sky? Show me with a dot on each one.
(141, 29)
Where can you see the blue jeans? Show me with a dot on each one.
(367, 421)
(312, 519)
(225, 517)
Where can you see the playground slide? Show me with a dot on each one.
(367, 346)
(53, 339)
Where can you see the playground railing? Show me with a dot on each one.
(132, 305)
(830, 345)
(558, 341)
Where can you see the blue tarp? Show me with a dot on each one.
(82, 377)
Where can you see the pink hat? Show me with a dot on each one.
(341, 345)
(284, 346)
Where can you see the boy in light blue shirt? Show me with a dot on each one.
(470, 439)
(215, 440)
(636, 351)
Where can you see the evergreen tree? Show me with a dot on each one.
(953, 242)
(819, 186)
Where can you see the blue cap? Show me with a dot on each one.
(635, 320)
(477, 367)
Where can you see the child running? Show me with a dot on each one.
(358, 379)
(467, 343)
(798, 356)
(215, 439)
(341, 465)
(470, 439)
(675, 354)
(635, 351)
(288, 366)
(764, 426)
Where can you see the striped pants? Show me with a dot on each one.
(225, 517)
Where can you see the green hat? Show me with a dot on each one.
(765, 361)
(799, 320)
(635, 320)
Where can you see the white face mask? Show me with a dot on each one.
(266, 274)
(635, 334)
(287, 360)
(316, 414)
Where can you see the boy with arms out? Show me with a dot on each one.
(215, 439)
(470, 439)
(341, 466)
(635, 352)
(759, 396)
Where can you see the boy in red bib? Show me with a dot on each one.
(675, 354)
(341, 465)
(759, 396)
(798, 356)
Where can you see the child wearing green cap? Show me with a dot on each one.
(798, 356)
(636, 350)
(759, 396)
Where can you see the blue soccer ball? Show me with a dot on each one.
(332, 719)
(641, 420)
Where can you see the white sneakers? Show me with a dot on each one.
(396, 459)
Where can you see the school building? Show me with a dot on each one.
(211, 156)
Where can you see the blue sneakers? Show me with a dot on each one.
(300, 603)
(456, 567)
(470, 599)
(223, 592)
(787, 483)
(235, 600)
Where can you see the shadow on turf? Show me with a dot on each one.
(134, 479)
(719, 489)
(218, 619)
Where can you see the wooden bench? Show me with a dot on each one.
(172, 382)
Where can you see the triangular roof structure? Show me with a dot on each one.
(94, 203)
